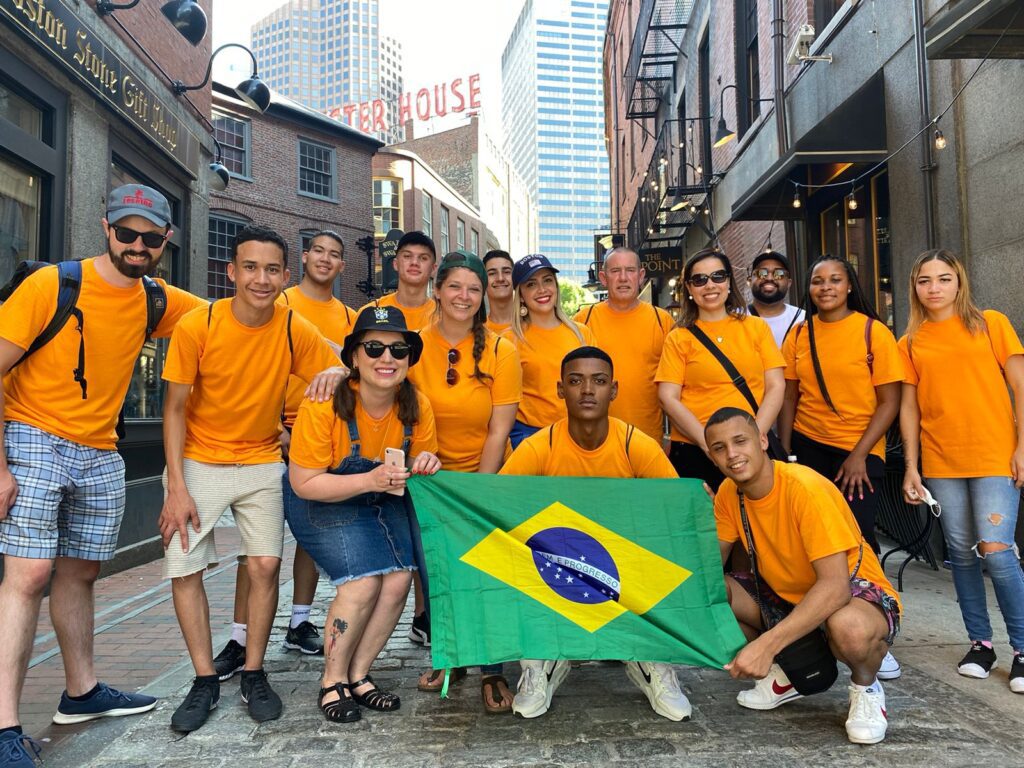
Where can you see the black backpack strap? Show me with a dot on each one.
(630, 429)
(590, 311)
(284, 295)
(156, 305)
(551, 436)
(735, 376)
(752, 310)
(291, 346)
(69, 286)
(209, 313)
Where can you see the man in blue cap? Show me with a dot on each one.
(62, 487)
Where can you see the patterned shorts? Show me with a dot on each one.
(70, 497)
(776, 608)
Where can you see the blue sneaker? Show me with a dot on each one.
(14, 750)
(106, 702)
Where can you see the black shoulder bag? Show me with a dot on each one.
(808, 661)
(775, 449)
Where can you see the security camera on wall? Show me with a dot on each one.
(801, 50)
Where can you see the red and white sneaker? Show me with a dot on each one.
(868, 720)
(769, 692)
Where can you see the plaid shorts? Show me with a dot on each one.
(70, 497)
(776, 608)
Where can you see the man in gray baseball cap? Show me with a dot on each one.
(62, 484)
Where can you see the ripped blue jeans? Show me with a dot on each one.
(974, 510)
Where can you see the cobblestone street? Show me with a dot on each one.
(598, 717)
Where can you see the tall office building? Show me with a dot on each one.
(329, 53)
(553, 113)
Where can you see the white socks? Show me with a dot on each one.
(875, 687)
(300, 613)
(238, 633)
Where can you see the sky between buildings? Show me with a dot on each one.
(441, 40)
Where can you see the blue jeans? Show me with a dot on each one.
(983, 509)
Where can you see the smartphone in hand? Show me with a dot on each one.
(394, 457)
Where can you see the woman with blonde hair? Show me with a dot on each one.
(543, 335)
(965, 431)
(714, 333)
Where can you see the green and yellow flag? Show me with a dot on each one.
(572, 568)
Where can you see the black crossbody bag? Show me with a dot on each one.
(808, 661)
(775, 449)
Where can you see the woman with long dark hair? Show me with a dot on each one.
(843, 378)
(473, 380)
(957, 416)
(693, 383)
(341, 506)
(543, 335)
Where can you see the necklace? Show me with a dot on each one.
(377, 424)
(719, 339)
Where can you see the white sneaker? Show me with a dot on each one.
(890, 668)
(661, 687)
(769, 692)
(867, 721)
(537, 684)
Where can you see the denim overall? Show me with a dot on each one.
(366, 535)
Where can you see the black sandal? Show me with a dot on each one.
(375, 698)
(345, 709)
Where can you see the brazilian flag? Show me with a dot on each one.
(572, 568)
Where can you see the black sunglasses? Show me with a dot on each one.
(775, 274)
(374, 349)
(718, 276)
(451, 376)
(128, 236)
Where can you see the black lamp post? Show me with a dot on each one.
(252, 90)
(368, 245)
(186, 16)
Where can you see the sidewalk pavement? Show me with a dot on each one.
(937, 718)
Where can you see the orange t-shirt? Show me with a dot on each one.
(634, 340)
(320, 440)
(416, 318)
(706, 387)
(332, 318)
(967, 423)
(541, 353)
(463, 411)
(553, 453)
(802, 519)
(238, 376)
(497, 328)
(42, 391)
(842, 356)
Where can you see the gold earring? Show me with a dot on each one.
(523, 311)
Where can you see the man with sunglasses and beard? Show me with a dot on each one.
(62, 486)
(770, 280)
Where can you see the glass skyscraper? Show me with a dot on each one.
(329, 53)
(553, 113)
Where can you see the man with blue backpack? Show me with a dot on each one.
(69, 338)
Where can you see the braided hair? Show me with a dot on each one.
(855, 300)
(479, 329)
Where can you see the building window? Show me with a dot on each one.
(445, 239)
(223, 230)
(387, 205)
(316, 170)
(748, 65)
(20, 208)
(460, 234)
(824, 10)
(235, 141)
(474, 242)
(428, 215)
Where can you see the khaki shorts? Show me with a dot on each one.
(253, 494)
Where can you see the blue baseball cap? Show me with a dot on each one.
(528, 265)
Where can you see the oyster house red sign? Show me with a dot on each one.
(425, 104)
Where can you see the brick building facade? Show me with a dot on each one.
(840, 121)
(296, 171)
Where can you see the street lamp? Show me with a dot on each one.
(252, 90)
(723, 135)
(186, 16)
(217, 172)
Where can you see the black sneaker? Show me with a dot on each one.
(304, 638)
(419, 632)
(202, 698)
(263, 703)
(229, 661)
(978, 662)
(1017, 673)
